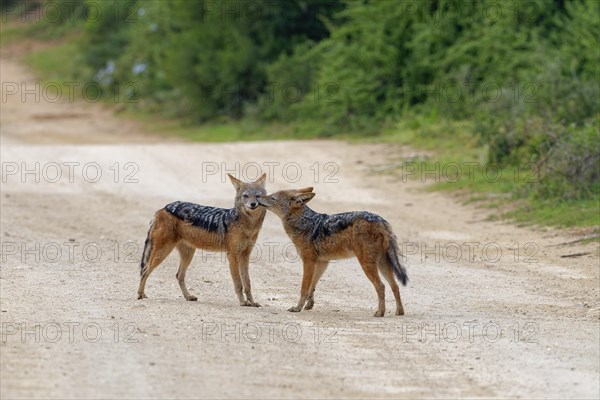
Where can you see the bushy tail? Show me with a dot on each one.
(393, 257)
(147, 249)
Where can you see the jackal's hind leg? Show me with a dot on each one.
(389, 276)
(158, 255)
(186, 253)
(370, 269)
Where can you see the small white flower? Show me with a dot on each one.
(138, 68)
(104, 76)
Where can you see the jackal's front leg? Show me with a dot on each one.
(245, 275)
(307, 279)
(319, 270)
(234, 268)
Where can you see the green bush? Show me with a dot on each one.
(106, 35)
(337, 66)
(211, 59)
(570, 169)
(289, 79)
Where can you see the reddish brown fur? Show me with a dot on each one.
(169, 232)
(368, 241)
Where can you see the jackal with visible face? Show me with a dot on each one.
(320, 238)
(189, 226)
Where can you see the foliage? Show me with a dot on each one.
(525, 75)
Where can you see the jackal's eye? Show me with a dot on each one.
(258, 196)
(245, 196)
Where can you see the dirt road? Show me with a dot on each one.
(493, 310)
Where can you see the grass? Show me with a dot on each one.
(50, 63)
(228, 130)
(14, 26)
(580, 213)
(10, 33)
(457, 164)
(454, 160)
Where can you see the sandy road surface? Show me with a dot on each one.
(493, 310)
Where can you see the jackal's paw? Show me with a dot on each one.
(400, 312)
(294, 309)
(378, 313)
(309, 305)
(142, 296)
(248, 303)
(191, 298)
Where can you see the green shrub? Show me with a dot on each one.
(333, 66)
(570, 169)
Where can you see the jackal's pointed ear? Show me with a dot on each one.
(261, 180)
(305, 190)
(303, 198)
(237, 184)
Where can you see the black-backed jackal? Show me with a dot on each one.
(320, 238)
(189, 226)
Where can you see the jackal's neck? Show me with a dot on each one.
(302, 220)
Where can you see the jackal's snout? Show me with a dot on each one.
(265, 201)
(251, 198)
(285, 202)
(250, 201)
(253, 204)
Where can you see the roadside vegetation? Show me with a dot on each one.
(505, 95)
